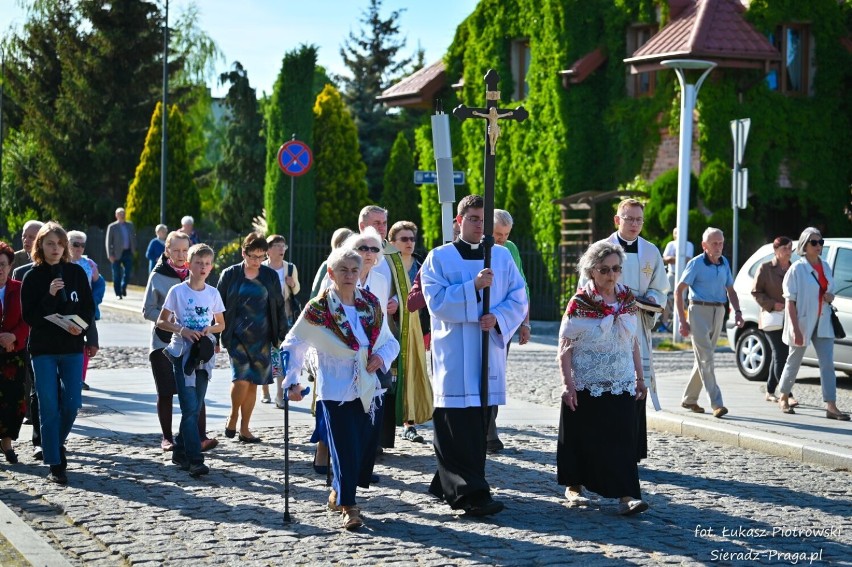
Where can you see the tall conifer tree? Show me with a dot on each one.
(290, 112)
(400, 196)
(339, 169)
(143, 198)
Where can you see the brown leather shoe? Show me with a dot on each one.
(208, 444)
(694, 408)
(720, 411)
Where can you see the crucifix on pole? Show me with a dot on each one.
(492, 115)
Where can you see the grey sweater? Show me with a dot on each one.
(160, 281)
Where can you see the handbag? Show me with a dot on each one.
(771, 320)
(293, 302)
(839, 333)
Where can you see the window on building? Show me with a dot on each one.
(520, 61)
(794, 74)
(642, 84)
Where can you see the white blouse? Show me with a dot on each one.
(602, 353)
(335, 376)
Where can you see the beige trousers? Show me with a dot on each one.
(705, 322)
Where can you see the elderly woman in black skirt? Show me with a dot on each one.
(601, 376)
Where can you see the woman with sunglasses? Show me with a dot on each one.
(368, 245)
(255, 321)
(809, 291)
(77, 243)
(602, 376)
(413, 398)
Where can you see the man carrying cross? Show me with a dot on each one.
(454, 279)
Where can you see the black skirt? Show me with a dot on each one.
(597, 445)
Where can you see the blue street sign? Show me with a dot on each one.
(424, 177)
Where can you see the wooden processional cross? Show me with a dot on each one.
(492, 115)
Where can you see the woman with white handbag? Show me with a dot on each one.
(768, 293)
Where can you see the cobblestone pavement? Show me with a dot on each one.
(710, 504)
(124, 505)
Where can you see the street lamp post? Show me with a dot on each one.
(688, 96)
(163, 146)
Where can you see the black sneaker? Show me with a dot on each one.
(198, 469)
(179, 459)
(85, 386)
(493, 446)
(57, 475)
(38, 454)
(411, 434)
(484, 507)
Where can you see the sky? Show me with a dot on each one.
(257, 33)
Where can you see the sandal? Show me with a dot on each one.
(772, 398)
(332, 501)
(793, 403)
(786, 408)
(839, 416)
(352, 518)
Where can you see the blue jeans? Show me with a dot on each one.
(121, 270)
(191, 399)
(59, 383)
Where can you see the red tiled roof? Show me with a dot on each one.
(707, 29)
(416, 89)
(583, 67)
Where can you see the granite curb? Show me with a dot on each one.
(27, 542)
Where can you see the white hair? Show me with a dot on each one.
(187, 220)
(503, 218)
(32, 223)
(76, 235)
(597, 253)
(710, 231)
(161, 227)
(340, 255)
(368, 236)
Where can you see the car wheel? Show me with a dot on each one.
(753, 355)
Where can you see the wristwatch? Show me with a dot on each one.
(527, 325)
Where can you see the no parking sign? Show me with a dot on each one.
(295, 158)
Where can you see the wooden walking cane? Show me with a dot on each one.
(492, 132)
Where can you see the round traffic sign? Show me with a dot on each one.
(295, 158)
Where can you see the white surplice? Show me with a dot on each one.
(455, 308)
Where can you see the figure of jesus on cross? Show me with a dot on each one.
(492, 115)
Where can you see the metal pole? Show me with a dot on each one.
(292, 208)
(2, 88)
(164, 144)
(688, 95)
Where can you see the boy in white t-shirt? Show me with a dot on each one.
(193, 312)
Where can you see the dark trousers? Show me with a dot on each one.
(387, 430)
(459, 441)
(352, 442)
(779, 357)
(121, 270)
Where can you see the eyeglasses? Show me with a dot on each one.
(633, 220)
(78, 244)
(474, 220)
(260, 257)
(815, 242)
(365, 248)
(606, 269)
(406, 238)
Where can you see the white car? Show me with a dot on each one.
(751, 346)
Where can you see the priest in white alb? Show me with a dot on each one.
(453, 277)
(645, 274)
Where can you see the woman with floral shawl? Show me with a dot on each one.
(601, 376)
(347, 329)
